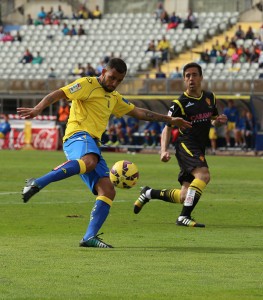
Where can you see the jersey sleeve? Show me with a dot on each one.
(122, 106)
(77, 89)
(215, 112)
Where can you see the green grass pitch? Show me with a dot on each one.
(153, 258)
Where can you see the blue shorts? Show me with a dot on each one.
(78, 145)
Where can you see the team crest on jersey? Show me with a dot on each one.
(208, 101)
(202, 158)
(75, 87)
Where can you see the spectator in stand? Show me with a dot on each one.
(97, 14)
(38, 21)
(18, 37)
(243, 54)
(90, 71)
(254, 55)
(7, 37)
(83, 13)
(173, 21)
(59, 14)
(152, 132)
(204, 56)
(164, 17)
(52, 73)
(249, 34)
(62, 116)
(221, 56)
(155, 57)
(160, 73)
(233, 116)
(190, 21)
(81, 30)
(230, 52)
(176, 73)
(158, 12)
(164, 47)
(131, 128)
(239, 34)
(42, 14)
(217, 45)
(151, 46)
(213, 53)
(5, 128)
(226, 42)
(38, 59)
(235, 57)
(29, 20)
(27, 57)
(79, 71)
(48, 19)
(72, 31)
(65, 29)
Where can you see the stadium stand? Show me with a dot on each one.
(125, 34)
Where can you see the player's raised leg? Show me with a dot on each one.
(67, 169)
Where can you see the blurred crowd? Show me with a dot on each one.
(244, 46)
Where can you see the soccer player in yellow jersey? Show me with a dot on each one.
(94, 100)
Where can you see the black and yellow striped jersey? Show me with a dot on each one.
(199, 111)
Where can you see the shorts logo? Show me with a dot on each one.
(75, 88)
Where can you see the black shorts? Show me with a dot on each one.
(189, 156)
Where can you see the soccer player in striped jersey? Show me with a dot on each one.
(94, 100)
(199, 108)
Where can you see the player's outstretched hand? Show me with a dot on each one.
(27, 112)
(221, 119)
(181, 123)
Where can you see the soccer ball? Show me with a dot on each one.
(124, 174)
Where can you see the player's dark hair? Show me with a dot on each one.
(193, 65)
(118, 64)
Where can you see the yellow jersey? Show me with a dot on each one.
(92, 107)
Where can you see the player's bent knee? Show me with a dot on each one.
(105, 188)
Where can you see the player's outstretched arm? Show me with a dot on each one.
(147, 115)
(165, 141)
(31, 112)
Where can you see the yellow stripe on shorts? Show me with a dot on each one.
(186, 149)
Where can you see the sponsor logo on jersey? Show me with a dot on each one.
(75, 87)
(189, 104)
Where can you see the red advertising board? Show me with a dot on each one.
(45, 135)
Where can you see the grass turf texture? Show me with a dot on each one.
(153, 258)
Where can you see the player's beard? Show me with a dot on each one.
(106, 88)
